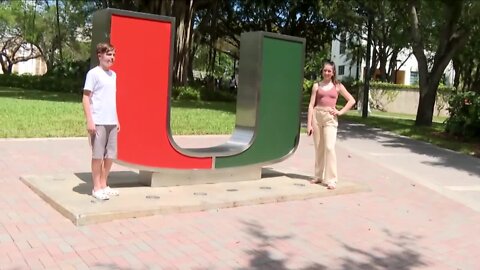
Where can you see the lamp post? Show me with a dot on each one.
(366, 85)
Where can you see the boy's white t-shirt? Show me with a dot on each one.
(103, 104)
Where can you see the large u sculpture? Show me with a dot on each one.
(268, 103)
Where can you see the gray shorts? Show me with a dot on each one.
(104, 142)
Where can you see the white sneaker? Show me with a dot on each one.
(110, 191)
(100, 195)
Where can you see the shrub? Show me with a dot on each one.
(187, 93)
(307, 86)
(196, 92)
(387, 86)
(217, 95)
(45, 82)
(70, 69)
(175, 92)
(64, 77)
(464, 109)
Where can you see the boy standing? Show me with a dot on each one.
(99, 106)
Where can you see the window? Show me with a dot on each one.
(341, 70)
(413, 77)
(343, 43)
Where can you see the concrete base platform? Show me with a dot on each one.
(168, 178)
(70, 195)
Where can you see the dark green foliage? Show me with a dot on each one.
(464, 115)
(187, 93)
(198, 92)
(46, 83)
(217, 95)
(75, 70)
(70, 79)
(66, 77)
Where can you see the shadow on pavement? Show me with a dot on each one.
(269, 173)
(116, 179)
(446, 158)
(403, 257)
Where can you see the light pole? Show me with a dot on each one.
(366, 85)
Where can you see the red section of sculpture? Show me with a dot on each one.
(143, 52)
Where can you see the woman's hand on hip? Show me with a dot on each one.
(335, 112)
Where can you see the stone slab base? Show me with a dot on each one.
(167, 178)
(70, 195)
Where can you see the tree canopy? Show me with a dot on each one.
(208, 34)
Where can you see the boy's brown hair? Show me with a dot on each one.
(104, 48)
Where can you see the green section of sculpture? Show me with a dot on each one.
(271, 74)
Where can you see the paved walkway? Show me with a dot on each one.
(422, 213)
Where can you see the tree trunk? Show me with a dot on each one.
(392, 67)
(184, 15)
(468, 80)
(3, 63)
(7, 69)
(428, 95)
(476, 79)
(167, 7)
(59, 37)
(452, 39)
(6, 64)
(383, 65)
(374, 63)
(10, 69)
(426, 104)
(367, 75)
(457, 67)
(190, 65)
(49, 59)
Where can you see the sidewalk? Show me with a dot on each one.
(422, 213)
(451, 174)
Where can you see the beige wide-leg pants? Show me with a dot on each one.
(324, 138)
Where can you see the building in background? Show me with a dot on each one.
(36, 66)
(407, 73)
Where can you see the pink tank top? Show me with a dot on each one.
(327, 98)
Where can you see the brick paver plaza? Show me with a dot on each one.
(404, 222)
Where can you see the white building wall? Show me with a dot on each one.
(33, 67)
(350, 69)
(410, 67)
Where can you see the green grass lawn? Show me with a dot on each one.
(30, 113)
(200, 117)
(40, 114)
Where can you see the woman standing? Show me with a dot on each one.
(323, 123)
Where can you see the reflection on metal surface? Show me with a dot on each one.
(268, 103)
(239, 141)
